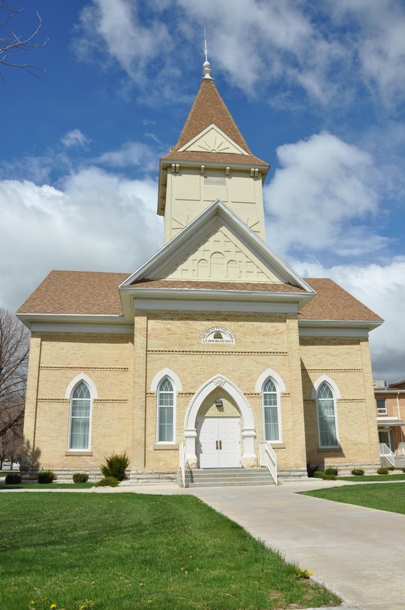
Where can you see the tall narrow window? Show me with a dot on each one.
(327, 416)
(166, 412)
(271, 414)
(80, 417)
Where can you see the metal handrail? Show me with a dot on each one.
(268, 459)
(182, 462)
(386, 453)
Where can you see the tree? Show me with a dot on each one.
(12, 44)
(14, 349)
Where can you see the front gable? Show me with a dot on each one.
(218, 246)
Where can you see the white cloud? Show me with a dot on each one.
(117, 25)
(324, 186)
(325, 50)
(382, 289)
(75, 138)
(377, 42)
(94, 220)
(131, 154)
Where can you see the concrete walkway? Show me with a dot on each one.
(359, 553)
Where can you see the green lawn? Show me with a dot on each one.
(127, 551)
(384, 497)
(374, 477)
(47, 486)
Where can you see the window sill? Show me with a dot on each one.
(277, 445)
(78, 452)
(329, 449)
(165, 446)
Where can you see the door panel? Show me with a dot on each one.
(218, 442)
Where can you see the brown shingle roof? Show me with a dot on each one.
(96, 293)
(195, 285)
(209, 108)
(76, 292)
(209, 157)
(333, 303)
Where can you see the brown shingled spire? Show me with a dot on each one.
(209, 108)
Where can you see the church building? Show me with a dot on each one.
(214, 353)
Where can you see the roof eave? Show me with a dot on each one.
(369, 324)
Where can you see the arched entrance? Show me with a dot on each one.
(237, 421)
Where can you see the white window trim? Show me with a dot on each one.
(280, 429)
(329, 381)
(158, 378)
(332, 387)
(276, 378)
(75, 382)
(79, 380)
(380, 410)
(173, 442)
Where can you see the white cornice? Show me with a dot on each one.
(38, 322)
(336, 328)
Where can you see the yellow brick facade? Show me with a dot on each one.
(123, 367)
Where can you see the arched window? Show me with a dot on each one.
(271, 411)
(80, 413)
(166, 406)
(326, 406)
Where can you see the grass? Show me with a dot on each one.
(128, 551)
(383, 497)
(374, 477)
(47, 486)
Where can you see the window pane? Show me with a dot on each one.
(80, 408)
(269, 386)
(166, 424)
(165, 399)
(270, 399)
(166, 386)
(271, 432)
(79, 433)
(327, 431)
(81, 391)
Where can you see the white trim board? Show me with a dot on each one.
(82, 328)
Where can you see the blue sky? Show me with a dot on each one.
(317, 89)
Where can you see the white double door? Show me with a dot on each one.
(218, 442)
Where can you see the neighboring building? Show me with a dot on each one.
(214, 342)
(390, 405)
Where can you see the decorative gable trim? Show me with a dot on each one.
(197, 227)
(218, 146)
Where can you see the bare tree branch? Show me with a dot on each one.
(14, 349)
(12, 44)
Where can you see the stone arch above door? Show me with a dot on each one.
(248, 459)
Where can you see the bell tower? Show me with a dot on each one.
(210, 161)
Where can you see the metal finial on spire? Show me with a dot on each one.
(206, 64)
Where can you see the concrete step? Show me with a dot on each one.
(226, 477)
(400, 461)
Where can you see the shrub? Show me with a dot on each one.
(46, 476)
(108, 482)
(390, 468)
(115, 466)
(80, 477)
(318, 474)
(331, 470)
(382, 470)
(357, 472)
(13, 478)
